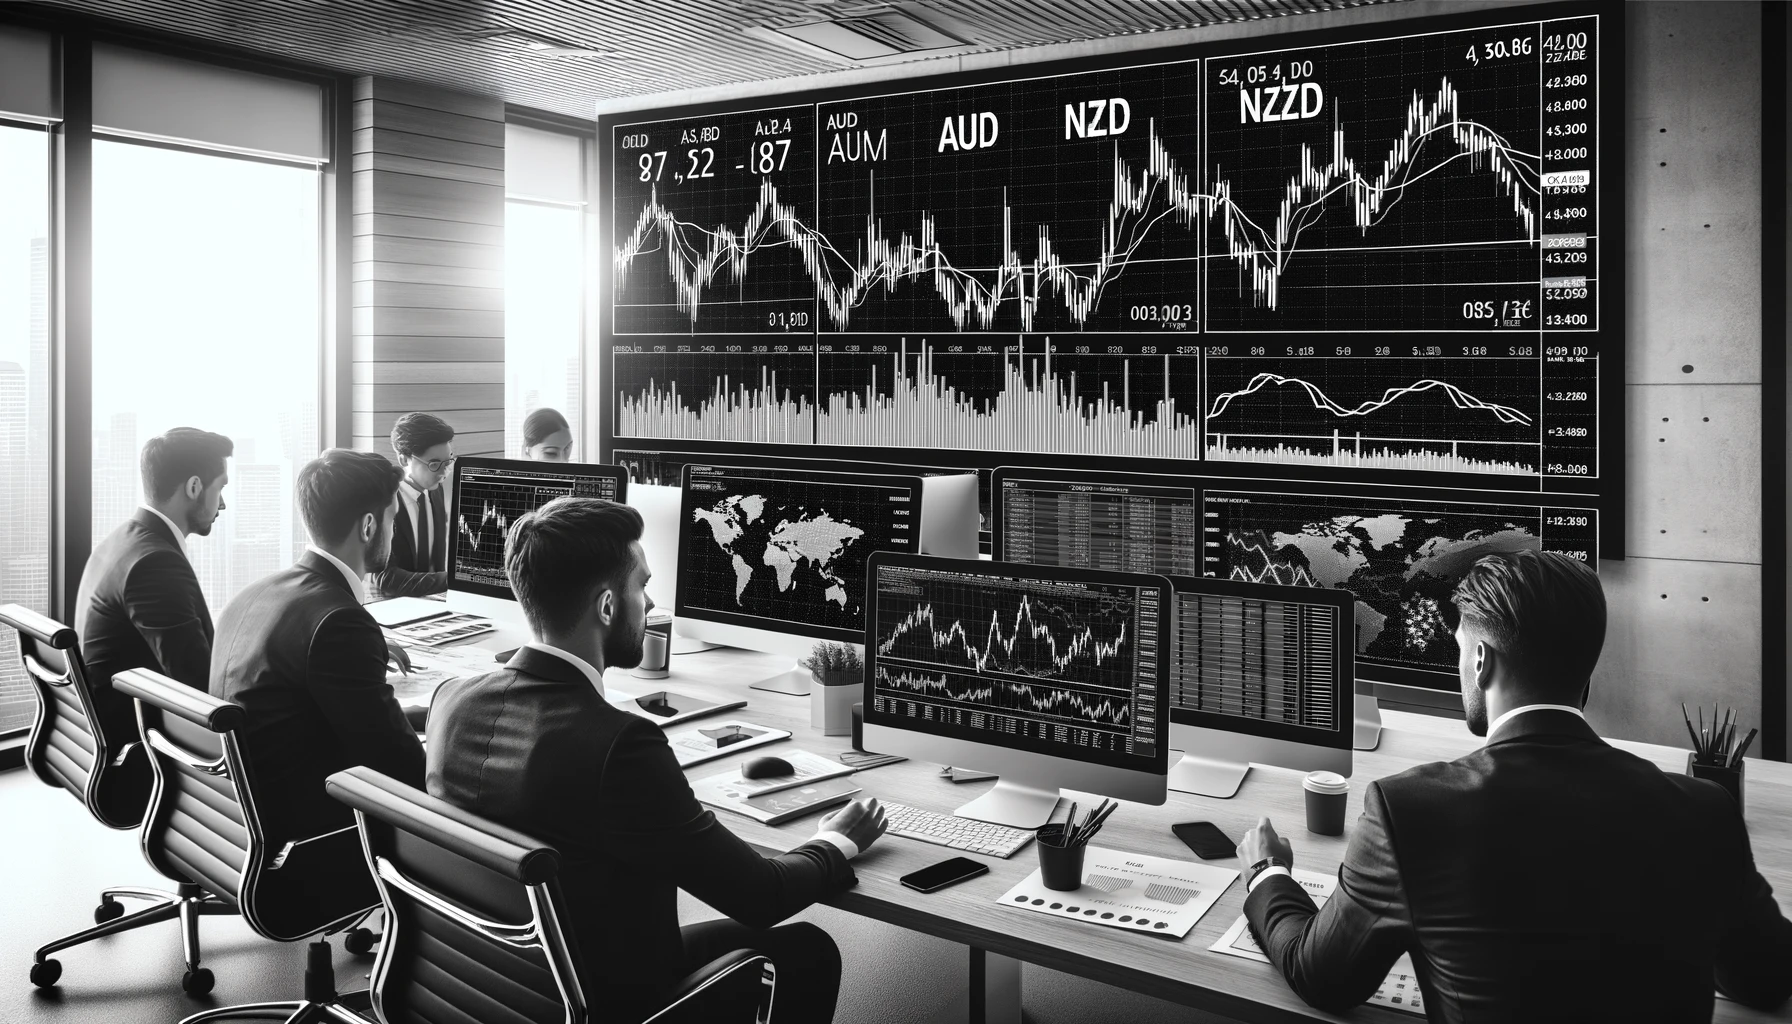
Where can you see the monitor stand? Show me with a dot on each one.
(1013, 803)
(685, 645)
(1368, 722)
(794, 680)
(1207, 776)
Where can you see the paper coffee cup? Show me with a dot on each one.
(1328, 793)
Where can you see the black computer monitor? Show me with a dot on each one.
(490, 494)
(1052, 678)
(1260, 674)
(773, 559)
(1093, 520)
(1399, 551)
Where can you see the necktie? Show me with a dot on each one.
(424, 564)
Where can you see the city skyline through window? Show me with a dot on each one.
(24, 399)
(544, 316)
(206, 314)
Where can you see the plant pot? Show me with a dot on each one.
(831, 700)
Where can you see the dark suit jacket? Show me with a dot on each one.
(404, 576)
(535, 748)
(308, 665)
(140, 606)
(1546, 877)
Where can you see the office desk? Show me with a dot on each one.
(1180, 971)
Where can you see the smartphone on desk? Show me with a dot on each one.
(935, 877)
(1206, 839)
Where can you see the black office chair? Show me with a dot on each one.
(202, 824)
(475, 930)
(111, 777)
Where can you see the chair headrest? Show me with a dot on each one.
(492, 846)
(177, 698)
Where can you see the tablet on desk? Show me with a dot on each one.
(664, 707)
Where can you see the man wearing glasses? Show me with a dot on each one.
(424, 445)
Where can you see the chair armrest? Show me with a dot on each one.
(505, 851)
(173, 697)
(729, 988)
(42, 628)
(301, 855)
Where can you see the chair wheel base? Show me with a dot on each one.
(108, 910)
(358, 941)
(45, 974)
(194, 983)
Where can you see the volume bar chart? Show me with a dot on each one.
(691, 394)
(1009, 400)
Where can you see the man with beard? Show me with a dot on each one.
(1546, 877)
(308, 663)
(537, 748)
(140, 605)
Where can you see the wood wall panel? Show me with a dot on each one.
(419, 165)
(428, 273)
(425, 147)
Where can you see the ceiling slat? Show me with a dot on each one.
(665, 45)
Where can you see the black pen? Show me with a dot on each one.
(1689, 730)
(1746, 740)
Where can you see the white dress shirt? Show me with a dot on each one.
(1515, 712)
(180, 536)
(354, 582)
(1494, 728)
(847, 847)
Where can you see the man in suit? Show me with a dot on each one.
(536, 747)
(308, 663)
(418, 565)
(139, 604)
(1546, 877)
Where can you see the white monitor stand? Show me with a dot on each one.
(794, 680)
(1368, 722)
(1208, 776)
(1225, 758)
(1017, 803)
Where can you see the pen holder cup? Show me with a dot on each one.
(1060, 867)
(1729, 778)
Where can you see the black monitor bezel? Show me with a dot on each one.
(682, 609)
(1158, 763)
(591, 470)
(1344, 682)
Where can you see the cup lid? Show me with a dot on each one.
(1327, 782)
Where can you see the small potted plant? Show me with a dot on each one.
(839, 674)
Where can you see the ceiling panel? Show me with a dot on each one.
(645, 46)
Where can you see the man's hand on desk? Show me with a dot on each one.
(395, 655)
(1260, 843)
(860, 822)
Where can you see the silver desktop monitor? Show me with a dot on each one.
(1137, 522)
(1259, 673)
(1052, 678)
(490, 494)
(773, 559)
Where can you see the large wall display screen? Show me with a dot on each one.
(1384, 254)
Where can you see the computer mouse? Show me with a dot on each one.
(766, 768)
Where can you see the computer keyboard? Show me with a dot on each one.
(954, 832)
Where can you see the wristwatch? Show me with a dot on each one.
(1254, 870)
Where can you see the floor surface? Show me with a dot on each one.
(56, 859)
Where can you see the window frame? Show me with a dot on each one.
(590, 368)
(70, 174)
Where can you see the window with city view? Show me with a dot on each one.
(206, 295)
(544, 316)
(24, 399)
